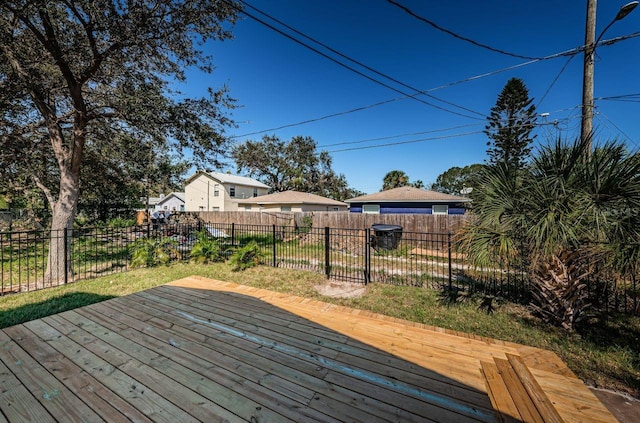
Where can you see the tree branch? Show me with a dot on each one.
(45, 190)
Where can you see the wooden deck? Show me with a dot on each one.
(204, 350)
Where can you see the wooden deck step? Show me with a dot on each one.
(515, 393)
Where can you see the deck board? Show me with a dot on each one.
(204, 350)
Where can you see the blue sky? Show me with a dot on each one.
(278, 82)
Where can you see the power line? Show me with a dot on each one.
(426, 139)
(315, 50)
(631, 98)
(555, 80)
(399, 135)
(570, 52)
(346, 112)
(618, 128)
(358, 62)
(406, 142)
(357, 109)
(458, 36)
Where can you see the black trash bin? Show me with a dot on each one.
(386, 236)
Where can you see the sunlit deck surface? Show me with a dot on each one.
(203, 350)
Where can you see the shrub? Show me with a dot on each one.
(206, 250)
(119, 222)
(248, 256)
(152, 252)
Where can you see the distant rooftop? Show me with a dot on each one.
(408, 194)
(292, 197)
(227, 178)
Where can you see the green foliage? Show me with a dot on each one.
(104, 73)
(572, 216)
(206, 250)
(307, 223)
(245, 257)
(510, 124)
(453, 180)
(120, 222)
(395, 179)
(259, 239)
(149, 252)
(293, 165)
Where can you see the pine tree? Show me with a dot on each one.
(510, 124)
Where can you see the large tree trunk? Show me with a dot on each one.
(64, 208)
(59, 269)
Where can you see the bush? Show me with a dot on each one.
(206, 250)
(152, 252)
(119, 222)
(248, 256)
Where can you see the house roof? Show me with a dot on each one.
(408, 194)
(154, 200)
(227, 178)
(178, 195)
(292, 197)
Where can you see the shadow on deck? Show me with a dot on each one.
(203, 350)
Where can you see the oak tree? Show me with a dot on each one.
(72, 72)
(292, 165)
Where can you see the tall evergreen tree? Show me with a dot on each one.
(510, 124)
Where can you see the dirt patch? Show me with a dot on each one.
(338, 289)
(623, 407)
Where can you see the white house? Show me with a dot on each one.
(217, 191)
(173, 202)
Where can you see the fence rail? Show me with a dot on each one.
(418, 259)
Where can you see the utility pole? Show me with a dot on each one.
(590, 44)
(586, 129)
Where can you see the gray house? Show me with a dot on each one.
(408, 200)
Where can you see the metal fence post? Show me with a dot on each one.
(327, 264)
(66, 256)
(273, 243)
(449, 253)
(233, 234)
(367, 256)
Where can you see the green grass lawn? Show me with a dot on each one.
(604, 353)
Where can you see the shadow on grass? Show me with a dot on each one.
(48, 307)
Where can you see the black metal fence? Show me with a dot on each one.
(427, 260)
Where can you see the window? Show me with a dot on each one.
(201, 208)
(181, 207)
(216, 191)
(232, 191)
(335, 209)
(247, 208)
(285, 208)
(371, 208)
(255, 192)
(216, 209)
(439, 209)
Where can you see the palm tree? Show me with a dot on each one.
(395, 179)
(570, 216)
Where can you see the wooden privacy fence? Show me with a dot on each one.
(339, 220)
